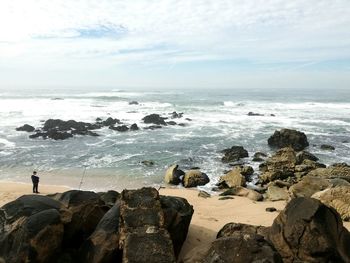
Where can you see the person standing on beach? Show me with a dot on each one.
(35, 180)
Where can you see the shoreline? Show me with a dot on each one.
(210, 214)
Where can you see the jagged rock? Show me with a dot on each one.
(121, 128)
(234, 153)
(102, 245)
(134, 127)
(305, 155)
(279, 166)
(87, 209)
(241, 191)
(110, 197)
(233, 178)
(276, 193)
(334, 171)
(177, 218)
(194, 178)
(31, 229)
(288, 138)
(26, 127)
(308, 186)
(173, 175)
(204, 194)
(110, 122)
(327, 147)
(175, 115)
(155, 119)
(338, 198)
(231, 229)
(308, 231)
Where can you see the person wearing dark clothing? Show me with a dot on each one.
(35, 180)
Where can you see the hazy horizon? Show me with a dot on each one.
(175, 44)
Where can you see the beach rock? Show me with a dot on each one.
(31, 229)
(338, 198)
(121, 128)
(233, 178)
(155, 119)
(287, 137)
(26, 128)
(143, 236)
(259, 157)
(309, 231)
(177, 218)
(327, 147)
(110, 122)
(305, 155)
(233, 154)
(308, 186)
(276, 193)
(110, 197)
(230, 229)
(241, 247)
(102, 245)
(148, 163)
(194, 178)
(280, 166)
(87, 209)
(254, 114)
(204, 194)
(341, 170)
(133, 102)
(241, 191)
(173, 175)
(175, 115)
(134, 127)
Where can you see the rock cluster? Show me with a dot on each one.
(78, 226)
(190, 178)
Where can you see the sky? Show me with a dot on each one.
(175, 43)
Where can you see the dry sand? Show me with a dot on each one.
(210, 214)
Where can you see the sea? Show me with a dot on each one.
(213, 120)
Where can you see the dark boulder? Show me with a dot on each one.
(327, 147)
(259, 157)
(233, 154)
(175, 115)
(171, 122)
(110, 197)
(148, 163)
(305, 155)
(287, 137)
(110, 122)
(309, 231)
(177, 217)
(122, 128)
(231, 229)
(134, 127)
(26, 127)
(155, 119)
(103, 244)
(133, 102)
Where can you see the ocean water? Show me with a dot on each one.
(219, 120)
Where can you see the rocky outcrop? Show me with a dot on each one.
(288, 138)
(155, 119)
(308, 186)
(338, 198)
(309, 231)
(194, 178)
(280, 166)
(340, 170)
(233, 154)
(173, 175)
(26, 128)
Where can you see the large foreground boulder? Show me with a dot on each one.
(31, 229)
(309, 231)
(288, 138)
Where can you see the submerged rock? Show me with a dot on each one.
(26, 127)
(122, 128)
(287, 137)
(327, 147)
(134, 127)
(234, 153)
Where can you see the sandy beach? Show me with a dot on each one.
(210, 214)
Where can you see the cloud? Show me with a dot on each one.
(269, 34)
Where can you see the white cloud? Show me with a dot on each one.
(61, 33)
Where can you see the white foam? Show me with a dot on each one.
(6, 143)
